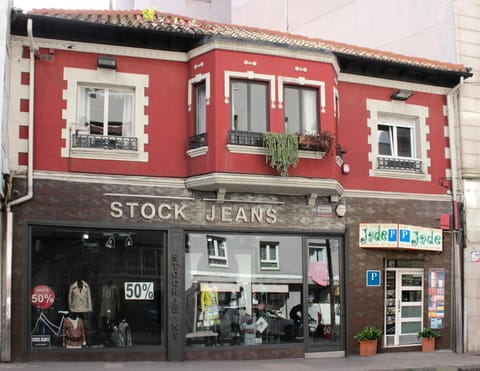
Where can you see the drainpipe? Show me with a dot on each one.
(7, 267)
(460, 314)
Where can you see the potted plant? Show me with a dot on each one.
(368, 340)
(428, 339)
(282, 150)
(323, 141)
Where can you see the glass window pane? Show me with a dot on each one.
(120, 112)
(309, 110)
(258, 107)
(411, 311)
(412, 280)
(292, 110)
(243, 305)
(384, 140)
(239, 106)
(411, 295)
(112, 290)
(200, 109)
(95, 108)
(404, 142)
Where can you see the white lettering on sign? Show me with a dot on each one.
(165, 211)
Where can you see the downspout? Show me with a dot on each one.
(7, 268)
(459, 325)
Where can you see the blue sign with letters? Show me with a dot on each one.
(374, 278)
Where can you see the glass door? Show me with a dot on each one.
(403, 306)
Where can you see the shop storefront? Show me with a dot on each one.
(171, 277)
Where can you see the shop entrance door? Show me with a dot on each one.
(403, 306)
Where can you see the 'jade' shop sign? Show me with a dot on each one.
(400, 236)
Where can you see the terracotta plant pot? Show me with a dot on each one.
(368, 347)
(428, 345)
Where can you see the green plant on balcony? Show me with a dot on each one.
(323, 141)
(282, 150)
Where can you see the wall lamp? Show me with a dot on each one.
(401, 94)
(107, 62)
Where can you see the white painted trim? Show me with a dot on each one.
(103, 49)
(196, 152)
(394, 84)
(357, 193)
(195, 80)
(302, 81)
(104, 77)
(250, 75)
(275, 51)
(419, 114)
(252, 150)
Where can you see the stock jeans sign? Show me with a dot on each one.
(399, 236)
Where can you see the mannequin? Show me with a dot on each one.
(74, 332)
(79, 297)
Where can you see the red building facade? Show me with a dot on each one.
(141, 184)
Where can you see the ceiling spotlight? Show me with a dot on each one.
(85, 236)
(128, 241)
(110, 244)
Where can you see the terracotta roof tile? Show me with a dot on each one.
(175, 23)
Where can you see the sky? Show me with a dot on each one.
(27, 5)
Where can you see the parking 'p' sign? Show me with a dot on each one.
(374, 278)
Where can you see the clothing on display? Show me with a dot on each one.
(110, 303)
(121, 335)
(74, 332)
(79, 297)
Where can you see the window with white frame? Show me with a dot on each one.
(217, 251)
(300, 109)
(249, 107)
(269, 255)
(398, 140)
(106, 111)
(105, 115)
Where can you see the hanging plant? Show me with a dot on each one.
(282, 151)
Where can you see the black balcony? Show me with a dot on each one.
(104, 142)
(245, 138)
(402, 164)
(197, 141)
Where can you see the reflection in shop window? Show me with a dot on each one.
(269, 255)
(217, 251)
(87, 293)
(244, 305)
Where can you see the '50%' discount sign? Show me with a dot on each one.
(42, 297)
(139, 291)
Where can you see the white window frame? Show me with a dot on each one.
(302, 81)
(274, 262)
(379, 111)
(215, 259)
(76, 77)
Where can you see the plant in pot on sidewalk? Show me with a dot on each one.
(368, 340)
(428, 339)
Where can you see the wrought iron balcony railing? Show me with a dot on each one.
(105, 142)
(245, 138)
(197, 141)
(404, 164)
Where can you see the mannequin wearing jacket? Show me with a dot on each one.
(79, 297)
(74, 332)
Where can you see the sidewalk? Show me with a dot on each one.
(439, 360)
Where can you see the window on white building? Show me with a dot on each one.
(269, 255)
(217, 251)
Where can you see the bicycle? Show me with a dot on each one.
(44, 323)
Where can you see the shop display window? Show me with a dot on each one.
(96, 288)
(258, 298)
